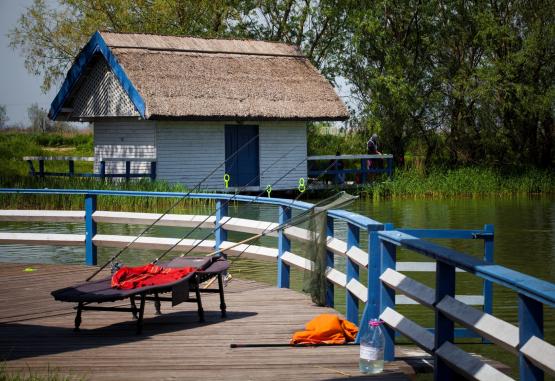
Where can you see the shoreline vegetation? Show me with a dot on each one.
(413, 181)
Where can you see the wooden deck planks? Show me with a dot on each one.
(36, 334)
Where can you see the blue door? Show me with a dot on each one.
(243, 168)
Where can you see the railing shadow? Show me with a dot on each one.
(20, 341)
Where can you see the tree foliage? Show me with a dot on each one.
(3, 116)
(458, 82)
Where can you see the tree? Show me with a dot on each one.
(3, 116)
(49, 39)
(389, 64)
(38, 118)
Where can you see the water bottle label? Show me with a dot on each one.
(368, 353)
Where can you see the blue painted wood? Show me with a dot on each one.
(41, 168)
(353, 239)
(530, 323)
(102, 169)
(330, 263)
(71, 168)
(364, 171)
(284, 244)
(31, 168)
(96, 45)
(388, 257)
(444, 327)
(390, 167)
(242, 166)
(220, 233)
(152, 170)
(488, 258)
(372, 306)
(525, 284)
(90, 230)
(447, 233)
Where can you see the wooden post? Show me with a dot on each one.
(363, 170)
(127, 170)
(372, 307)
(220, 233)
(329, 263)
(353, 239)
(390, 167)
(284, 244)
(102, 169)
(71, 165)
(152, 170)
(41, 167)
(388, 258)
(488, 257)
(90, 229)
(530, 323)
(31, 168)
(444, 327)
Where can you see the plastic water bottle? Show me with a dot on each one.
(371, 349)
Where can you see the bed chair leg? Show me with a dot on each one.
(222, 300)
(157, 305)
(199, 302)
(78, 317)
(133, 307)
(141, 314)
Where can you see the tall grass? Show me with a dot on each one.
(115, 203)
(461, 182)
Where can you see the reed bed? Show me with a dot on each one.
(461, 182)
(114, 203)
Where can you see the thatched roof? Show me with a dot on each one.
(190, 78)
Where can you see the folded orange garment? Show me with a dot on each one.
(327, 329)
(149, 275)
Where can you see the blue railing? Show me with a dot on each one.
(41, 172)
(383, 279)
(524, 340)
(337, 167)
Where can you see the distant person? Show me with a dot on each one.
(372, 145)
(372, 148)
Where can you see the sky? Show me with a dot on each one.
(19, 89)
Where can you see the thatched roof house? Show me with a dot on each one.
(149, 95)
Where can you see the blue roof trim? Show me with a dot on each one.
(95, 45)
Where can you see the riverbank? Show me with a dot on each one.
(461, 182)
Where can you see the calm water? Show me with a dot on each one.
(524, 241)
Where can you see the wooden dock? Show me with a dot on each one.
(36, 335)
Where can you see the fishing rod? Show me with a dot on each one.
(250, 202)
(286, 345)
(303, 217)
(297, 220)
(227, 203)
(114, 257)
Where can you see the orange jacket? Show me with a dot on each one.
(327, 329)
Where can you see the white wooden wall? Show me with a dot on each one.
(187, 151)
(124, 138)
(277, 139)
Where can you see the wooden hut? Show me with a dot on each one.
(189, 103)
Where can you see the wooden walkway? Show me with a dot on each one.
(36, 335)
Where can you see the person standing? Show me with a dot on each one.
(372, 148)
(372, 145)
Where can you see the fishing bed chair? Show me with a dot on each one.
(88, 295)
